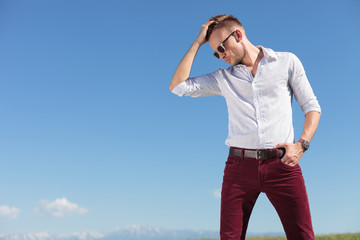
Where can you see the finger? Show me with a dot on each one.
(289, 163)
(292, 164)
(208, 23)
(284, 159)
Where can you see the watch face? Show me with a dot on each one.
(306, 145)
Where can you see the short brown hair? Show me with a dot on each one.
(222, 21)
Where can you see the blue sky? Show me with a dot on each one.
(91, 138)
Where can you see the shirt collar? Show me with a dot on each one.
(269, 54)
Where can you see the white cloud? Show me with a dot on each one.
(217, 193)
(61, 207)
(9, 212)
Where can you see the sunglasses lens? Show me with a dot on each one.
(216, 55)
(221, 49)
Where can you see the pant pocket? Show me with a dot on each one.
(287, 166)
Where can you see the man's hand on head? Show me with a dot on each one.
(201, 39)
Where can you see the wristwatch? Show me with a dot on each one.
(305, 144)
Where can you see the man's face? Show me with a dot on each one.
(233, 48)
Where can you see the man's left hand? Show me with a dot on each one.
(293, 153)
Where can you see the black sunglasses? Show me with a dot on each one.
(221, 47)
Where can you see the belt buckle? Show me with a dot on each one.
(259, 155)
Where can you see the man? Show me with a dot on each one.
(263, 157)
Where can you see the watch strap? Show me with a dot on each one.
(305, 144)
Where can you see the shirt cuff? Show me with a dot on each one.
(180, 89)
(312, 105)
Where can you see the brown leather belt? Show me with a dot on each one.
(259, 154)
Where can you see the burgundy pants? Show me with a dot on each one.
(245, 178)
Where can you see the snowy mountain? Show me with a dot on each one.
(150, 233)
(127, 233)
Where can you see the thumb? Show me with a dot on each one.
(280, 145)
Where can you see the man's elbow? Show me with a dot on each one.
(173, 84)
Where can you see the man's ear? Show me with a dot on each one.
(238, 35)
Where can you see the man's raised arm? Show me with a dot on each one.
(183, 70)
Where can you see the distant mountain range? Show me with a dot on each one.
(126, 233)
(150, 233)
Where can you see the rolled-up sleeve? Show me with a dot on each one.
(301, 87)
(202, 86)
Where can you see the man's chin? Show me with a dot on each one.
(230, 62)
(233, 63)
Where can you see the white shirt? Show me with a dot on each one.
(259, 108)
